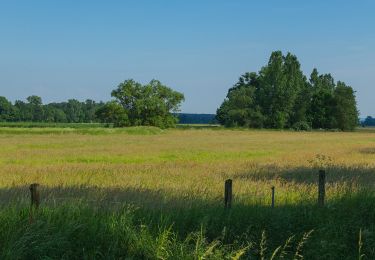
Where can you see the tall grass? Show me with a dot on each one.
(152, 194)
(81, 232)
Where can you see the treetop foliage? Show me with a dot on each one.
(153, 104)
(280, 96)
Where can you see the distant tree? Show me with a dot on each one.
(152, 104)
(113, 112)
(273, 99)
(6, 110)
(346, 113)
(297, 92)
(369, 121)
(279, 96)
(23, 111)
(74, 112)
(34, 100)
(240, 107)
(185, 118)
(60, 116)
(322, 106)
(54, 115)
(272, 90)
(89, 109)
(49, 114)
(35, 106)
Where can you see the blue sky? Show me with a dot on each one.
(83, 49)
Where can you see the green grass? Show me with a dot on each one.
(78, 231)
(146, 193)
(50, 125)
(99, 130)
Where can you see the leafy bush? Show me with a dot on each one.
(302, 126)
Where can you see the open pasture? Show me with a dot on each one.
(170, 184)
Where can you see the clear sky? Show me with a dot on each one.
(83, 49)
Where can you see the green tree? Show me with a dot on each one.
(6, 110)
(113, 113)
(89, 109)
(23, 113)
(74, 112)
(346, 112)
(53, 114)
(276, 98)
(240, 108)
(35, 107)
(271, 91)
(279, 96)
(281, 91)
(322, 105)
(152, 104)
(296, 93)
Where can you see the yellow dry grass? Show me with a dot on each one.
(176, 167)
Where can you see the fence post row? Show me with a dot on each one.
(35, 196)
(228, 194)
(321, 188)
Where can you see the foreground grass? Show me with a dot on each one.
(80, 231)
(147, 193)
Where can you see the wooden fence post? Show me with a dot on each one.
(35, 196)
(321, 188)
(273, 197)
(228, 194)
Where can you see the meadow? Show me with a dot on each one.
(147, 193)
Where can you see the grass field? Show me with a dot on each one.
(50, 125)
(150, 193)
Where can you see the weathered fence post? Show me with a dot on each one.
(273, 197)
(321, 188)
(228, 194)
(35, 196)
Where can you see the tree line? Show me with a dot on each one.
(369, 121)
(33, 110)
(133, 104)
(185, 118)
(280, 96)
